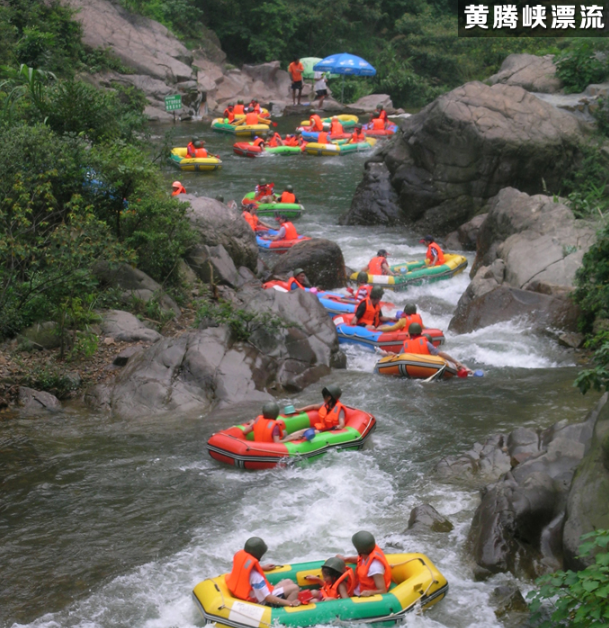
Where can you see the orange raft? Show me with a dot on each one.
(415, 366)
(233, 447)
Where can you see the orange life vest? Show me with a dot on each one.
(366, 582)
(255, 107)
(263, 429)
(251, 118)
(293, 281)
(230, 114)
(290, 231)
(375, 265)
(434, 247)
(371, 314)
(200, 153)
(273, 141)
(413, 318)
(336, 128)
(190, 149)
(363, 292)
(258, 141)
(323, 138)
(290, 140)
(358, 136)
(287, 197)
(329, 418)
(330, 591)
(416, 345)
(239, 109)
(238, 580)
(378, 124)
(383, 115)
(180, 190)
(316, 123)
(251, 219)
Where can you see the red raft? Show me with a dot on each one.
(233, 447)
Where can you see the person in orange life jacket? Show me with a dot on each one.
(373, 571)
(258, 141)
(252, 118)
(264, 193)
(337, 580)
(368, 312)
(254, 106)
(331, 412)
(287, 231)
(178, 188)
(267, 429)
(296, 69)
(250, 213)
(323, 137)
(288, 196)
(291, 140)
(247, 581)
(380, 113)
(404, 319)
(378, 265)
(378, 124)
(315, 123)
(363, 288)
(239, 108)
(200, 151)
(357, 136)
(275, 140)
(229, 113)
(419, 344)
(434, 255)
(191, 148)
(298, 280)
(336, 128)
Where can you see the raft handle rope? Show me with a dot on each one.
(234, 610)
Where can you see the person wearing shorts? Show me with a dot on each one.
(321, 89)
(296, 69)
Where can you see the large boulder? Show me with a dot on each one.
(210, 367)
(322, 261)
(468, 144)
(587, 505)
(368, 104)
(125, 327)
(218, 224)
(375, 201)
(276, 81)
(34, 402)
(518, 525)
(533, 73)
(465, 238)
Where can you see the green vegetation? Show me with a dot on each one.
(576, 599)
(581, 64)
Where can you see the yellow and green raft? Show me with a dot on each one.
(415, 273)
(179, 158)
(222, 125)
(415, 581)
(339, 147)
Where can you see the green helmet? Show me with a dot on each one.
(270, 410)
(336, 563)
(333, 390)
(256, 547)
(414, 329)
(410, 308)
(362, 277)
(376, 293)
(363, 542)
(297, 271)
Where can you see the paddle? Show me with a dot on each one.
(436, 375)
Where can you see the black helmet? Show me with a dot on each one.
(410, 308)
(270, 410)
(256, 547)
(289, 188)
(194, 139)
(381, 253)
(362, 277)
(415, 329)
(376, 293)
(297, 271)
(335, 563)
(363, 542)
(333, 390)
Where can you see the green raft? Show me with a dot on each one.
(289, 210)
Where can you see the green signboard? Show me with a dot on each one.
(173, 103)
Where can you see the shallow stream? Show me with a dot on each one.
(110, 523)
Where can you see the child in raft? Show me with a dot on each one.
(331, 412)
(337, 581)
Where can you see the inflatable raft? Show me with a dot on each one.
(289, 210)
(416, 583)
(390, 341)
(339, 148)
(414, 366)
(414, 273)
(348, 122)
(179, 157)
(248, 149)
(235, 448)
(313, 136)
(277, 246)
(222, 125)
(264, 113)
(389, 130)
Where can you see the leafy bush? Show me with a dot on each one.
(576, 599)
(51, 379)
(580, 65)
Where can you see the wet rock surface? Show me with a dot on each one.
(426, 518)
(126, 327)
(533, 73)
(34, 402)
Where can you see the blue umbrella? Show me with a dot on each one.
(345, 63)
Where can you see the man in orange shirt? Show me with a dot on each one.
(296, 69)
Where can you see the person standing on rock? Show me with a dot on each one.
(378, 265)
(434, 255)
(296, 69)
(321, 88)
(418, 344)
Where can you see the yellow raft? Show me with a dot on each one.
(179, 157)
(340, 147)
(222, 125)
(347, 120)
(415, 366)
(415, 580)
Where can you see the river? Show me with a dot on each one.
(110, 523)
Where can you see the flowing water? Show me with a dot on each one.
(111, 523)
